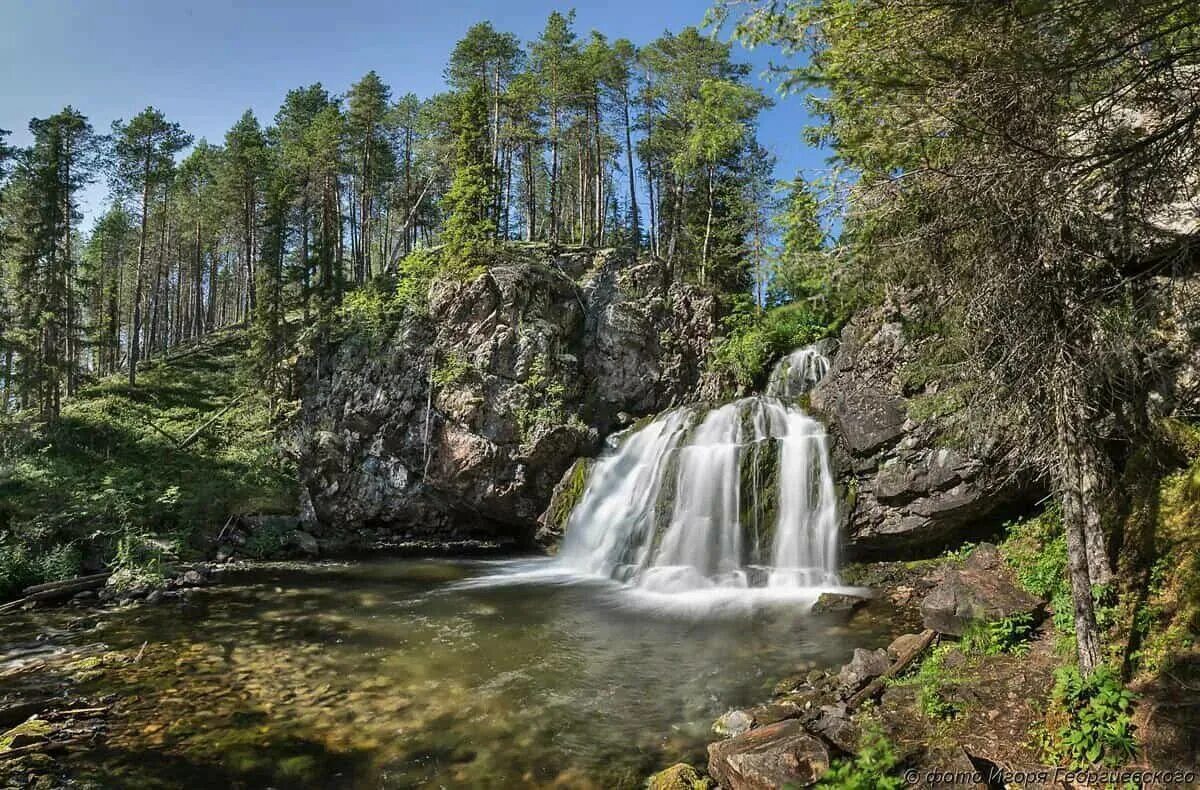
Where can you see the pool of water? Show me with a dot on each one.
(435, 673)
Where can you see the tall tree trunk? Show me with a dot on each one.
(1072, 447)
(633, 205)
(136, 319)
(553, 235)
(197, 285)
(707, 229)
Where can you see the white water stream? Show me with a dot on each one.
(738, 497)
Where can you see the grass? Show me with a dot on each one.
(109, 484)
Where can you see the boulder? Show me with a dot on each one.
(903, 644)
(982, 590)
(679, 776)
(736, 722)
(865, 666)
(834, 603)
(766, 758)
(732, 723)
(835, 725)
(305, 543)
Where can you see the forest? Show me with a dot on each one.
(569, 140)
(346, 422)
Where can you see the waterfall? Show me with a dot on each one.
(741, 496)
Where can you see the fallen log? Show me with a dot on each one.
(191, 437)
(45, 747)
(898, 666)
(56, 590)
(37, 588)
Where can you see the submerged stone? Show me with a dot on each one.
(831, 603)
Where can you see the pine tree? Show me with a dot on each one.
(144, 151)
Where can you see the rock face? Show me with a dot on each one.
(459, 423)
(770, 757)
(909, 484)
(981, 591)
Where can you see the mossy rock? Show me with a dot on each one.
(30, 731)
(680, 776)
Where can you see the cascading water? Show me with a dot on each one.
(739, 497)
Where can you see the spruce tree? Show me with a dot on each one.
(470, 227)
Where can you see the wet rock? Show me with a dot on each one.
(768, 757)
(732, 723)
(154, 596)
(862, 669)
(982, 590)
(837, 603)
(192, 578)
(736, 722)
(679, 776)
(567, 493)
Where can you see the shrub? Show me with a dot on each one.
(1094, 719)
(416, 274)
(1007, 635)
(930, 678)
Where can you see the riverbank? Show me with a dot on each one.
(977, 680)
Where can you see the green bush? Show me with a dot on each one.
(1094, 719)
(416, 274)
(755, 339)
(874, 767)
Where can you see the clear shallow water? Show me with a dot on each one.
(437, 673)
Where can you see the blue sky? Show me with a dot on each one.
(204, 62)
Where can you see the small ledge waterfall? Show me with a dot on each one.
(741, 496)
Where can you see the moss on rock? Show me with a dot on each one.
(680, 776)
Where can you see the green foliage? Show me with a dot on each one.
(1090, 719)
(755, 339)
(267, 540)
(1036, 550)
(109, 475)
(137, 561)
(470, 228)
(1006, 635)
(930, 679)
(417, 271)
(369, 312)
(455, 367)
(544, 396)
(873, 767)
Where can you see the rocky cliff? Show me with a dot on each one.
(459, 422)
(916, 481)
(912, 483)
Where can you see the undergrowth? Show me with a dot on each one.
(873, 767)
(110, 485)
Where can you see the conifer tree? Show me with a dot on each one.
(470, 227)
(144, 151)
